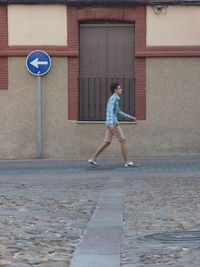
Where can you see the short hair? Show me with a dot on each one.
(113, 86)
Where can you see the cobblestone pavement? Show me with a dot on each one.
(42, 217)
(46, 207)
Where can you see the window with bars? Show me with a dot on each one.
(106, 56)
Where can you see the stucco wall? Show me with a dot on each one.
(179, 26)
(18, 112)
(37, 25)
(172, 125)
(173, 106)
(17, 116)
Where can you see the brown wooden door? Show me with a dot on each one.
(106, 56)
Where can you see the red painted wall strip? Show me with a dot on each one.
(3, 73)
(3, 27)
(3, 45)
(26, 50)
(169, 51)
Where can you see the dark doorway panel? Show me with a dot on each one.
(106, 56)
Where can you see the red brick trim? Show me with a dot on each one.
(3, 45)
(136, 15)
(3, 73)
(140, 88)
(58, 51)
(169, 51)
(3, 27)
(66, 51)
(72, 51)
(73, 98)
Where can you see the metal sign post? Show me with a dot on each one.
(39, 116)
(38, 63)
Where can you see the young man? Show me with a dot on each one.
(113, 128)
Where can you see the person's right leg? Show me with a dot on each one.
(124, 150)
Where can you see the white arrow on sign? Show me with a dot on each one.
(36, 63)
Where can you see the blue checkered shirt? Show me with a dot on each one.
(113, 111)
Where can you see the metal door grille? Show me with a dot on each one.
(94, 94)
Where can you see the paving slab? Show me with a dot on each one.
(100, 246)
(96, 260)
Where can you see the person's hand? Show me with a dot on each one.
(134, 118)
(111, 127)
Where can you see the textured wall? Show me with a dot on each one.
(172, 125)
(17, 117)
(173, 106)
(179, 26)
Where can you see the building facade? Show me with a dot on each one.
(152, 49)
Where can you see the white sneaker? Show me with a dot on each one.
(92, 162)
(130, 164)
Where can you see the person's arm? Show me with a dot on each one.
(126, 116)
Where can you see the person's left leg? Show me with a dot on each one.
(124, 150)
(118, 133)
(120, 136)
(99, 150)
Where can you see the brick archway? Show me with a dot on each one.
(135, 15)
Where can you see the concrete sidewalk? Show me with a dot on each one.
(148, 165)
(64, 213)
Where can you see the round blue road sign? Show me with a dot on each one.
(38, 62)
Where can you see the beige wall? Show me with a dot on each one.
(37, 25)
(172, 126)
(47, 25)
(173, 106)
(17, 117)
(180, 26)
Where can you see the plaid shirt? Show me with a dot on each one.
(113, 110)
